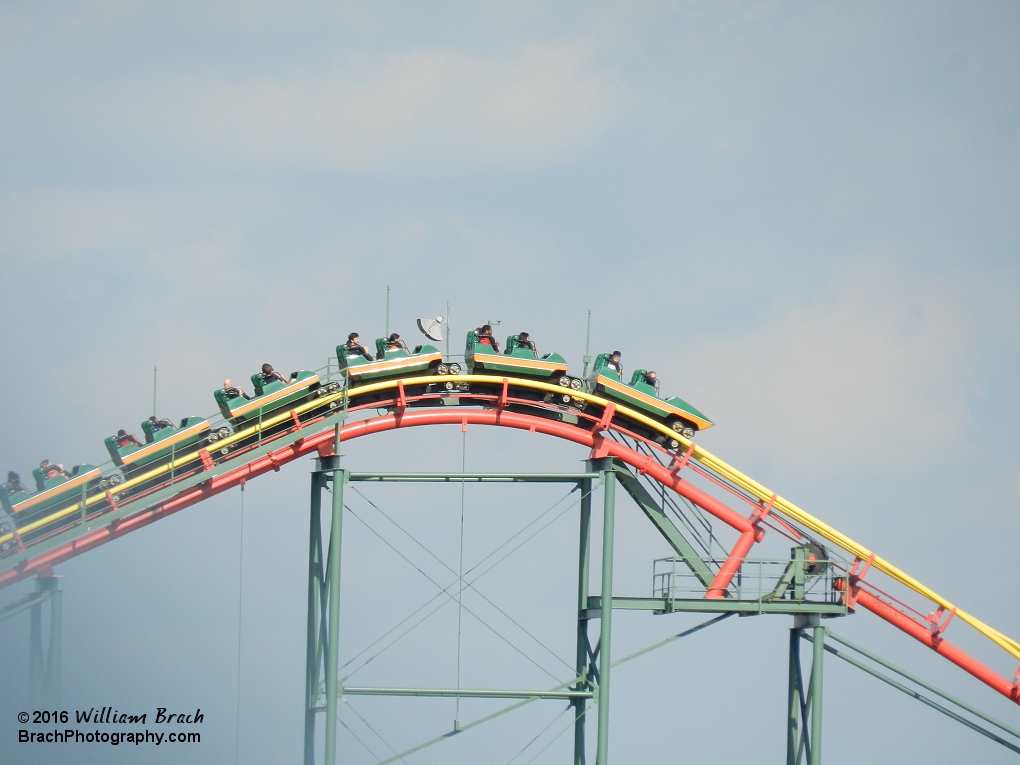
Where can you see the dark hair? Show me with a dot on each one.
(267, 368)
(352, 336)
(394, 336)
(486, 328)
(12, 476)
(523, 336)
(152, 419)
(615, 353)
(121, 433)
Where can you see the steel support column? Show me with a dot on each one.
(45, 664)
(794, 693)
(323, 623)
(583, 646)
(339, 478)
(316, 583)
(804, 711)
(817, 663)
(608, 478)
(55, 647)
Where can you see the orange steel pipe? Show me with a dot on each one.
(311, 444)
(923, 634)
(729, 568)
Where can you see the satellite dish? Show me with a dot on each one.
(432, 328)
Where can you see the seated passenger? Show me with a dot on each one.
(652, 379)
(485, 337)
(14, 484)
(232, 391)
(160, 424)
(524, 341)
(353, 347)
(49, 470)
(394, 343)
(126, 439)
(614, 363)
(271, 375)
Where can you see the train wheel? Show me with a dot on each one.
(564, 381)
(443, 369)
(454, 368)
(213, 437)
(115, 480)
(575, 384)
(683, 429)
(223, 432)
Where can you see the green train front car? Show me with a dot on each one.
(639, 395)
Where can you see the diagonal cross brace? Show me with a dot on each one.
(662, 522)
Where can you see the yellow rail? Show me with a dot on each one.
(702, 456)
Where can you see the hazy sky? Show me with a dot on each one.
(803, 215)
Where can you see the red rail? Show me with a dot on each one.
(322, 443)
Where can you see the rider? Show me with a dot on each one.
(524, 341)
(49, 470)
(353, 347)
(394, 343)
(485, 337)
(157, 424)
(652, 379)
(126, 439)
(14, 484)
(270, 375)
(232, 391)
(614, 363)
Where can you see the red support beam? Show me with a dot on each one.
(923, 634)
(318, 443)
(322, 444)
(733, 562)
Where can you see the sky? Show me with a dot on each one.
(802, 215)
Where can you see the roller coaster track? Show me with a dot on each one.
(102, 518)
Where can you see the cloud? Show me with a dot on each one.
(875, 371)
(427, 110)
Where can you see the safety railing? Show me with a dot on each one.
(795, 579)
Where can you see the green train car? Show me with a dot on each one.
(483, 359)
(161, 444)
(51, 492)
(425, 359)
(673, 412)
(272, 398)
